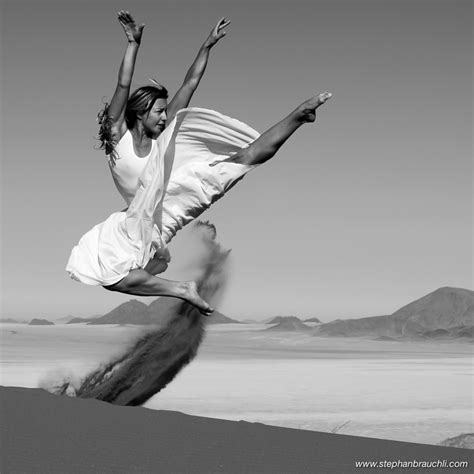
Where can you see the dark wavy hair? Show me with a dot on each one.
(139, 103)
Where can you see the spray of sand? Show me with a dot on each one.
(157, 356)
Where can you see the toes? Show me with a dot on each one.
(324, 97)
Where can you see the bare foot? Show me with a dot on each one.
(306, 112)
(191, 295)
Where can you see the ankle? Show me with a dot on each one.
(181, 289)
(302, 114)
(296, 118)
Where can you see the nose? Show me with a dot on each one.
(164, 116)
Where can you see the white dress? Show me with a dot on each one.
(176, 185)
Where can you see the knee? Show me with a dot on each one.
(156, 266)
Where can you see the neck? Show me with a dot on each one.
(142, 142)
(139, 134)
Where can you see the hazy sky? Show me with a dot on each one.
(359, 214)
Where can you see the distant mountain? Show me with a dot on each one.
(290, 323)
(131, 312)
(65, 319)
(311, 320)
(158, 311)
(279, 319)
(219, 318)
(445, 313)
(40, 322)
(80, 320)
(11, 320)
(163, 308)
(450, 333)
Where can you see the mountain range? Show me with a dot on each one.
(289, 323)
(157, 312)
(446, 313)
(279, 319)
(40, 322)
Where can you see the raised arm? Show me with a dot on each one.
(116, 110)
(196, 71)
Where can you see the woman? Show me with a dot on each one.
(126, 142)
(194, 161)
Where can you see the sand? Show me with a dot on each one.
(45, 433)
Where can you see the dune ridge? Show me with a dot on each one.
(42, 432)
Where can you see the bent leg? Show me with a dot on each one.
(141, 283)
(265, 147)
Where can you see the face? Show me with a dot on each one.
(155, 121)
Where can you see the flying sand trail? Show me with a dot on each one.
(156, 358)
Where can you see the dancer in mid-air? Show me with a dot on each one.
(190, 164)
(128, 143)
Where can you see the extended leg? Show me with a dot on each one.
(141, 283)
(269, 142)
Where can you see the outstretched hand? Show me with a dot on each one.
(132, 30)
(217, 32)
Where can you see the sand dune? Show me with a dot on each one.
(42, 432)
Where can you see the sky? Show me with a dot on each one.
(357, 215)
